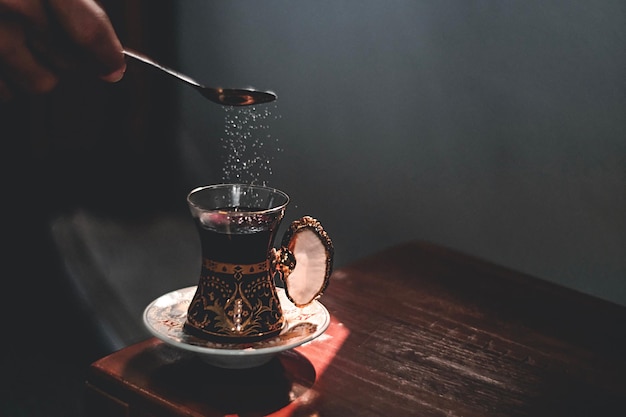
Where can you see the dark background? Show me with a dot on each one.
(495, 128)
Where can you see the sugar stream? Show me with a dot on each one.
(249, 148)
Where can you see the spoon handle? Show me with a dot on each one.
(147, 60)
(223, 96)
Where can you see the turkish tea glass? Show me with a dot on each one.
(236, 299)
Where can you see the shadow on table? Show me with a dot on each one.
(245, 392)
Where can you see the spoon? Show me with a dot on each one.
(224, 96)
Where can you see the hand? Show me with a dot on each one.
(42, 39)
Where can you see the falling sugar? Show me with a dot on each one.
(248, 146)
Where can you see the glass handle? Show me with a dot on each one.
(305, 260)
(283, 262)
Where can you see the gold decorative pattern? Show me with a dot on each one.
(235, 301)
(227, 268)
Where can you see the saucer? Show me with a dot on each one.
(164, 318)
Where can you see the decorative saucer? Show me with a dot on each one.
(165, 316)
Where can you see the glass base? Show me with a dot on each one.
(231, 339)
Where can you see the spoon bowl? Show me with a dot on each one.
(223, 96)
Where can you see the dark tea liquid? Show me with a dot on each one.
(245, 243)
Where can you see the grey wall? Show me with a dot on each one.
(494, 127)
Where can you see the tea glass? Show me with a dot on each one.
(236, 299)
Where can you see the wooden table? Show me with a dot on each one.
(417, 330)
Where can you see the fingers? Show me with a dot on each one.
(41, 39)
(19, 68)
(32, 12)
(89, 28)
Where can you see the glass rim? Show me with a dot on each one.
(231, 186)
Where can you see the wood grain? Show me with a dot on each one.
(417, 330)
